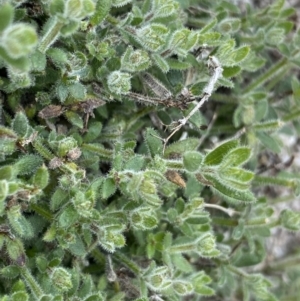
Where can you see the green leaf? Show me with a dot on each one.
(20, 124)
(225, 82)
(179, 40)
(230, 194)
(287, 12)
(62, 92)
(296, 90)
(204, 290)
(68, 217)
(236, 157)
(50, 234)
(42, 150)
(192, 160)
(61, 279)
(77, 90)
(79, 9)
(137, 60)
(209, 26)
(58, 56)
(74, 119)
(119, 3)
(20, 39)
(240, 54)
(57, 7)
(6, 172)
(21, 64)
(143, 218)
(230, 25)
(7, 146)
(15, 251)
(269, 142)
(19, 296)
(41, 177)
(178, 148)
(269, 125)
(209, 38)
(13, 187)
(95, 128)
(182, 264)
(233, 182)
(101, 11)
(153, 36)
(232, 71)
(153, 142)
(238, 231)
(200, 282)
(19, 223)
(66, 145)
(119, 82)
(177, 65)
(96, 297)
(38, 61)
(82, 204)
(182, 288)
(3, 194)
(290, 219)
(41, 263)
(261, 109)
(160, 62)
(6, 15)
(10, 271)
(216, 156)
(275, 36)
(136, 163)
(108, 188)
(252, 62)
(238, 174)
(98, 149)
(163, 8)
(28, 164)
(6, 132)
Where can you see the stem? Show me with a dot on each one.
(279, 67)
(291, 261)
(138, 116)
(126, 261)
(98, 149)
(42, 212)
(263, 221)
(224, 129)
(98, 256)
(208, 90)
(229, 211)
(267, 75)
(208, 130)
(237, 271)
(50, 36)
(92, 246)
(264, 180)
(110, 19)
(291, 116)
(33, 285)
(174, 164)
(224, 221)
(277, 79)
(42, 150)
(221, 97)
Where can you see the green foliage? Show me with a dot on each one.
(134, 137)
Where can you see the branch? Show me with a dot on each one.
(214, 64)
